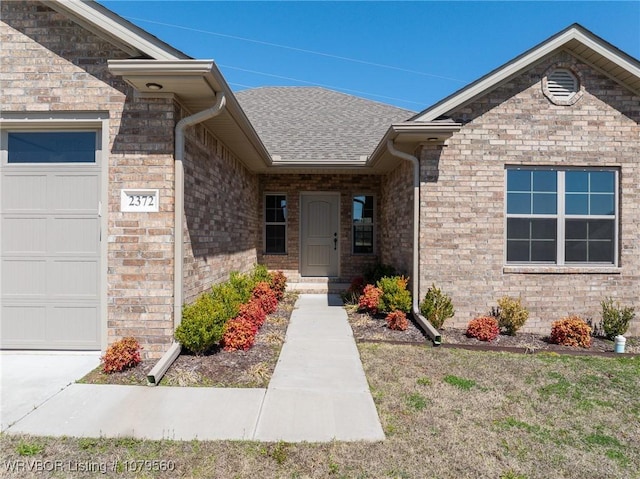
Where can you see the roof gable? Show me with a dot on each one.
(116, 30)
(313, 126)
(575, 39)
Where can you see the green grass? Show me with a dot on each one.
(496, 415)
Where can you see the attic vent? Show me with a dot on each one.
(561, 86)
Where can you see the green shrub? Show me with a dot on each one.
(228, 299)
(260, 274)
(243, 283)
(571, 331)
(484, 328)
(436, 307)
(395, 296)
(615, 318)
(376, 272)
(511, 314)
(202, 324)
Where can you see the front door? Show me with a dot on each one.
(320, 249)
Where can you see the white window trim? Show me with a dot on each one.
(560, 216)
(265, 224)
(374, 224)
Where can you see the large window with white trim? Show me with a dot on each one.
(561, 216)
(275, 229)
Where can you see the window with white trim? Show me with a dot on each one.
(275, 229)
(561, 216)
(363, 224)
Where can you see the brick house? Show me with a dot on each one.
(526, 182)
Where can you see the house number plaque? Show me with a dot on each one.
(139, 201)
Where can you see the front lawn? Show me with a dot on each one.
(446, 413)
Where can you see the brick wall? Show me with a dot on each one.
(292, 184)
(462, 219)
(396, 231)
(51, 64)
(222, 226)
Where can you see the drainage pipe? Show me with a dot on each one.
(426, 325)
(167, 359)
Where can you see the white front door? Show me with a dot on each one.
(320, 248)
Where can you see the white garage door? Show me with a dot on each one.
(50, 241)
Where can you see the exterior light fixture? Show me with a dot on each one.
(154, 86)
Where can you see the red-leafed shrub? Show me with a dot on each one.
(278, 284)
(397, 320)
(370, 298)
(121, 355)
(571, 331)
(239, 333)
(253, 312)
(356, 286)
(484, 328)
(263, 293)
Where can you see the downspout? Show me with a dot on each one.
(169, 357)
(426, 325)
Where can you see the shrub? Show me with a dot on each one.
(376, 272)
(511, 314)
(436, 307)
(484, 328)
(278, 284)
(370, 299)
(615, 318)
(395, 295)
(243, 284)
(239, 333)
(253, 312)
(265, 297)
(121, 355)
(228, 299)
(571, 331)
(397, 320)
(202, 325)
(354, 291)
(260, 274)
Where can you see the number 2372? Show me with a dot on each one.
(142, 200)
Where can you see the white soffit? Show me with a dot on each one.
(576, 40)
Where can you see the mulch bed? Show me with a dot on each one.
(220, 368)
(369, 328)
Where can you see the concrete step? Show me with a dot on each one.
(317, 287)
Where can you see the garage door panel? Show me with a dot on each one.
(24, 235)
(24, 193)
(76, 236)
(26, 278)
(77, 279)
(23, 323)
(74, 193)
(71, 325)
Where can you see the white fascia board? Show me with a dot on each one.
(160, 67)
(421, 131)
(511, 69)
(114, 27)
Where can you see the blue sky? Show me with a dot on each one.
(408, 54)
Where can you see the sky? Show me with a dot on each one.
(410, 54)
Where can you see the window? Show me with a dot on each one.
(52, 147)
(363, 224)
(275, 214)
(561, 216)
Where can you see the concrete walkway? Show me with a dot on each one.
(318, 392)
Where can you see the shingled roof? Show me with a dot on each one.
(315, 126)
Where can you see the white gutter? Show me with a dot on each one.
(415, 309)
(161, 366)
